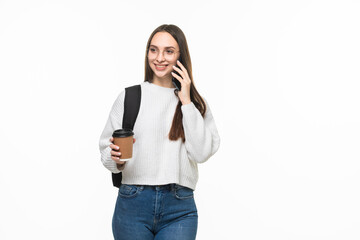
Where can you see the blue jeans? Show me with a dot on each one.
(145, 212)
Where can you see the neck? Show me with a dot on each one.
(163, 82)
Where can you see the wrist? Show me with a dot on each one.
(120, 166)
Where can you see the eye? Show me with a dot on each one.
(170, 51)
(152, 49)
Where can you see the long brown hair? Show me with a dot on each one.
(177, 129)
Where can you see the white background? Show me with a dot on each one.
(282, 81)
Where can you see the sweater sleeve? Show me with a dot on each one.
(114, 122)
(201, 136)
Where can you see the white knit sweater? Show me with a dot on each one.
(157, 160)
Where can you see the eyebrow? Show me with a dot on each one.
(164, 47)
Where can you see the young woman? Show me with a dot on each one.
(174, 131)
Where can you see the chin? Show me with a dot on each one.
(160, 73)
(162, 76)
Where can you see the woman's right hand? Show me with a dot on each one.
(115, 152)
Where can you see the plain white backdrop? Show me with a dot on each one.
(282, 80)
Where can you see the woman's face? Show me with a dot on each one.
(162, 55)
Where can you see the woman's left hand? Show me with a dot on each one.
(185, 82)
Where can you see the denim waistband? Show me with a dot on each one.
(170, 186)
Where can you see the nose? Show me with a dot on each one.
(160, 57)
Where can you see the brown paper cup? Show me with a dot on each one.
(124, 139)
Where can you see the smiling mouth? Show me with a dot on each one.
(160, 67)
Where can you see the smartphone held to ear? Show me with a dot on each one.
(176, 82)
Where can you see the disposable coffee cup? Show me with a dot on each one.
(124, 139)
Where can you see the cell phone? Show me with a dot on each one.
(176, 82)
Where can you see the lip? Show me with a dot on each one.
(160, 67)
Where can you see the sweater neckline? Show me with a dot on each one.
(159, 87)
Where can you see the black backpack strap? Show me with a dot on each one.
(131, 106)
(131, 110)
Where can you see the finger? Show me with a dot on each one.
(117, 160)
(179, 71)
(184, 74)
(178, 78)
(181, 66)
(115, 154)
(115, 147)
